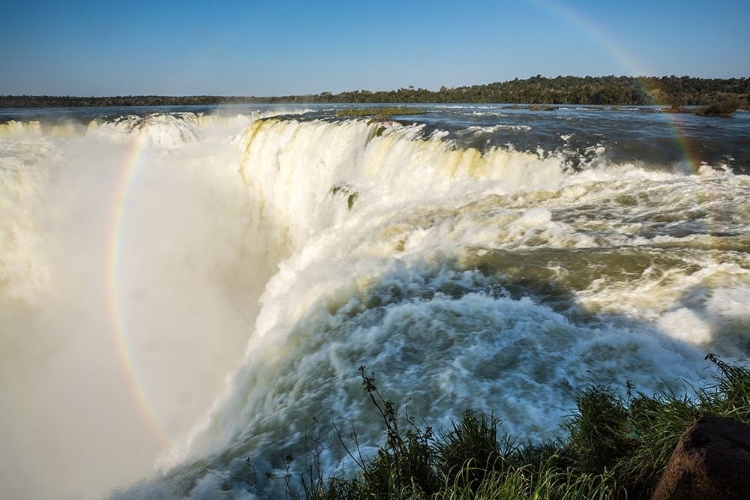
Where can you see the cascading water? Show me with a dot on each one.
(471, 257)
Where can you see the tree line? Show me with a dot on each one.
(601, 90)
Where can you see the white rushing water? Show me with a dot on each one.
(262, 261)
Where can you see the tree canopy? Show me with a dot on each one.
(601, 90)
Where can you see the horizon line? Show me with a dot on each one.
(363, 90)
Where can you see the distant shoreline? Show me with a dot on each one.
(605, 90)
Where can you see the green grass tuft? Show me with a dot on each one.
(599, 429)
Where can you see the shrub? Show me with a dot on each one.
(723, 108)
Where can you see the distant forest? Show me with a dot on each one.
(602, 90)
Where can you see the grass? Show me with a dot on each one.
(614, 448)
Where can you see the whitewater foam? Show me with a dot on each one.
(498, 279)
(190, 280)
(401, 300)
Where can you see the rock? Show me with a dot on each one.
(711, 461)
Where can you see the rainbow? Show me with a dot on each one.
(129, 171)
(691, 163)
(581, 23)
(127, 175)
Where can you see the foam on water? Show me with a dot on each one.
(496, 279)
(388, 282)
(494, 128)
(192, 279)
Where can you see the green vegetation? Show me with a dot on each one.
(601, 90)
(347, 192)
(616, 448)
(380, 114)
(724, 108)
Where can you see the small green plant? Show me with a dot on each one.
(406, 462)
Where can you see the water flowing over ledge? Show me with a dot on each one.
(466, 267)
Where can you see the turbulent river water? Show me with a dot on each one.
(186, 294)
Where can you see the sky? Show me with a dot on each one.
(282, 47)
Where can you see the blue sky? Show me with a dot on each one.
(278, 47)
